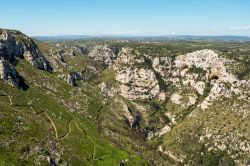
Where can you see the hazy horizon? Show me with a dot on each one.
(130, 35)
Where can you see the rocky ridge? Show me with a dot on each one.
(142, 82)
(191, 82)
(14, 45)
(102, 53)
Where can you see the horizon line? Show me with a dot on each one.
(142, 35)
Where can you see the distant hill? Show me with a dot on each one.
(147, 38)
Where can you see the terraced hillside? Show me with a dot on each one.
(123, 103)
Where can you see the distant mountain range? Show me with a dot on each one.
(147, 38)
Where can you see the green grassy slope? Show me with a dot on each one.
(37, 123)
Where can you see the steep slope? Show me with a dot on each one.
(205, 105)
(52, 122)
(14, 45)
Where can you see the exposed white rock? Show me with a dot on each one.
(176, 99)
(138, 83)
(162, 96)
(204, 59)
(191, 100)
(207, 60)
(200, 87)
(171, 155)
(141, 82)
(164, 130)
(16, 45)
(183, 72)
(102, 53)
(125, 112)
(128, 115)
(218, 90)
(171, 116)
(8, 73)
(127, 57)
(106, 90)
(72, 77)
(162, 65)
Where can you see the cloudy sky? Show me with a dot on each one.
(127, 17)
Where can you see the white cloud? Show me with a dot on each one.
(246, 27)
(132, 32)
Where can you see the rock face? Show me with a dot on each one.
(72, 77)
(176, 99)
(16, 45)
(207, 60)
(13, 45)
(138, 83)
(58, 55)
(217, 91)
(135, 81)
(203, 59)
(102, 53)
(8, 73)
(106, 90)
(162, 65)
(142, 77)
(127, 57)
(214, 73)
(127, 114)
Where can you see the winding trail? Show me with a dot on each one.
(69, 129)
(10, 99)
(53, 124)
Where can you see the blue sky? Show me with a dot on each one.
(127, 17)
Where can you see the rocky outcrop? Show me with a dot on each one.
(58, 55)
(103, 54)
(129, 118)
(16, 45)
(138, 83)
(127, 57)
(163, 66)
(106, 90)
(8, 73)
(13, 45)
(57, 60)
(142, 77)
(206, 60)
(218, 90)
(176, 99)
(72, 77)
(199, 68)
(137, 79)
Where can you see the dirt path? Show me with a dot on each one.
(54, 126)
(69, 129)
(88, 137)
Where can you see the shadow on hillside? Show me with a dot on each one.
(22, 84)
